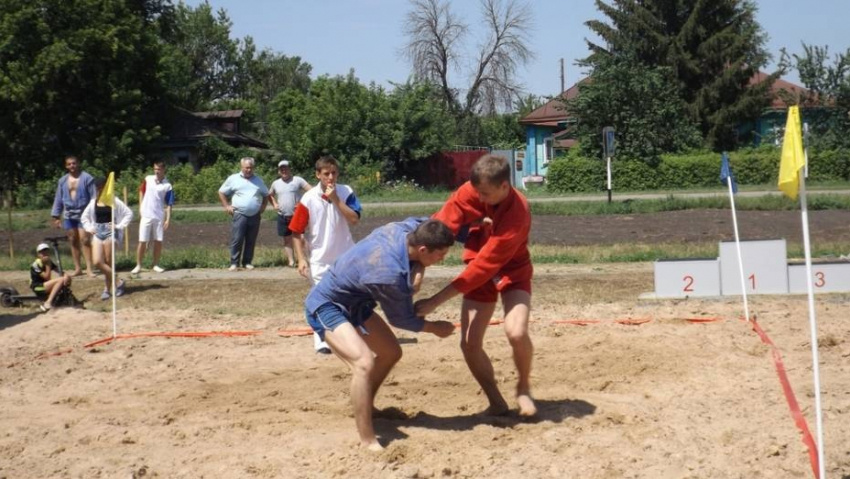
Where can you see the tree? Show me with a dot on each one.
(435, 37)
(360, 125)
(713, 46)
(641, 103)
(828, 100)
(77, 78)
(201, 63)
(337, 114)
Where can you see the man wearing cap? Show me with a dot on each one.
(284, 194)
(249, 199)
(41, 282)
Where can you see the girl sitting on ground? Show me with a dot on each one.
(41, 282)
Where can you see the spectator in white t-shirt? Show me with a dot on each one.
(322, 218)
(284, 194)
(156, 197)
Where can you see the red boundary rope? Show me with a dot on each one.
(200, 334)
(796, 414)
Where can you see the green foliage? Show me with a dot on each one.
(364, 127)
(828, 100)
(571, 175)
(713, 48)
(642, 104)
(200, 62)
(756, 166)
(81, 78)
(698, 169)
(689, 171)
(634, 175)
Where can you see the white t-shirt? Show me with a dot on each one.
(287, 194)
(325, 228)
(157, 195)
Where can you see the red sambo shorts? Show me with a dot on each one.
(489, 291)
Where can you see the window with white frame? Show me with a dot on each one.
(548, 150)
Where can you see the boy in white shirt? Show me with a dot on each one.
(323, 217)
(156, 199)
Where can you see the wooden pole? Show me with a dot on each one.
(11, 239)
(127, 231)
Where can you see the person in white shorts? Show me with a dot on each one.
(157, 198)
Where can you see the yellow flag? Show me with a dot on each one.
(107, 194)
(792, 155)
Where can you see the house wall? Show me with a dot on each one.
(534, 145)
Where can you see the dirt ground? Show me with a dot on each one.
(664, 399)
(674, 226)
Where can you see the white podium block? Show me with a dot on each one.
(827, 277)
(685, 278)
(765, 267)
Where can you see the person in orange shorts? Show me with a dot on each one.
(497, 263)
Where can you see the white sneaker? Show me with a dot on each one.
(249, 266)
(138, 269)
(232, 267)
(157, 269)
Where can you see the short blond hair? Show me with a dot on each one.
(490, 169)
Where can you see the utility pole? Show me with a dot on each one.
(562, 75)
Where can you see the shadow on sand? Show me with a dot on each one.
(9, 320)
(388, 421)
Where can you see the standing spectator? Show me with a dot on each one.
(156, 199)
(284, 193)
(250, 196)
(74, 191)
(97, 220)
(324, 215)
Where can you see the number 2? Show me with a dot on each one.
(689, 282)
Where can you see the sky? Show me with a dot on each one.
(335, 36)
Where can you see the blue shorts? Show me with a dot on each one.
(330, 315)
(103, 232)
(71, 224)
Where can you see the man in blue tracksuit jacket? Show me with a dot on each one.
(376, 271)
(73, 193)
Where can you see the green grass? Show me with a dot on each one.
(268, 257)
(816, 201)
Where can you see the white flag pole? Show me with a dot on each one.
(738, 247)
(114, 305)
(812, 324)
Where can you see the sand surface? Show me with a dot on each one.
(664, 399)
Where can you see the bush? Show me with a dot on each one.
(633, 175)
(755, 166)
(571, 175)
(697, 169)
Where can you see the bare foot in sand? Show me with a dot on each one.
(77, 273)
(373, 446)
(526, 405)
